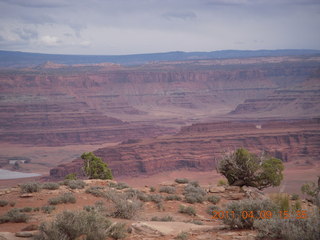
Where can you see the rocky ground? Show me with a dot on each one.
(200, 226)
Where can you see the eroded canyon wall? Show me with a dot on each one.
(198, 147)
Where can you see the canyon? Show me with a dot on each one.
(161, 115)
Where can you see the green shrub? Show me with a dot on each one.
(71, 176)
(213, 199)
(182, 236)
(212, 208)
(117, 231)
(3, 203)
(95, 168)
(282, 201)
(291, 229)
(50, 185)
(181, 180)
(30, 187)
(36, 209)
(193, 193)
(162, 219)
(95, 191)
(167, 189)
(173, 198)
(48, 209)
(144, 197)
(222, 182)
(152, 189)
(242, 168)
(72, 225)
(246, 206)
(187, 210)
(64, 198)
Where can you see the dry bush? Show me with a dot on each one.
(162, 219)
(30, 187)
(212, 208)
(173, 198)
(213, 199)
(193, 193)
(248, 205)
(168, 189)
(292, 229)
(181, 180)
(117, 231)
(50, 185)
(64, 198)
(96, 191)
(118, 186)
(14, 216)
(48, 209)
(187, 210)
(182, 236)
(75, 184)
(3, 203)
(72, 225)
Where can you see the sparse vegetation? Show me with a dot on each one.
(252, 208)
(181, 180)
(12, 204)
(187, 210)
(64, 198)
(242, 168)
(50, 186)
(167, 189)
(30, 187)
(72, 225)
(291, 229)
(213, 199)
(162, 219)
(152, 189)
(95, 168)
(3, 203)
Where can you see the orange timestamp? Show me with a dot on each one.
(299, 214)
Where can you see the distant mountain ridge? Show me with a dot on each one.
(25, 59)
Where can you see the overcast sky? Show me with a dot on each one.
(145, 26)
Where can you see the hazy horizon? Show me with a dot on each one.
(114, 27)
